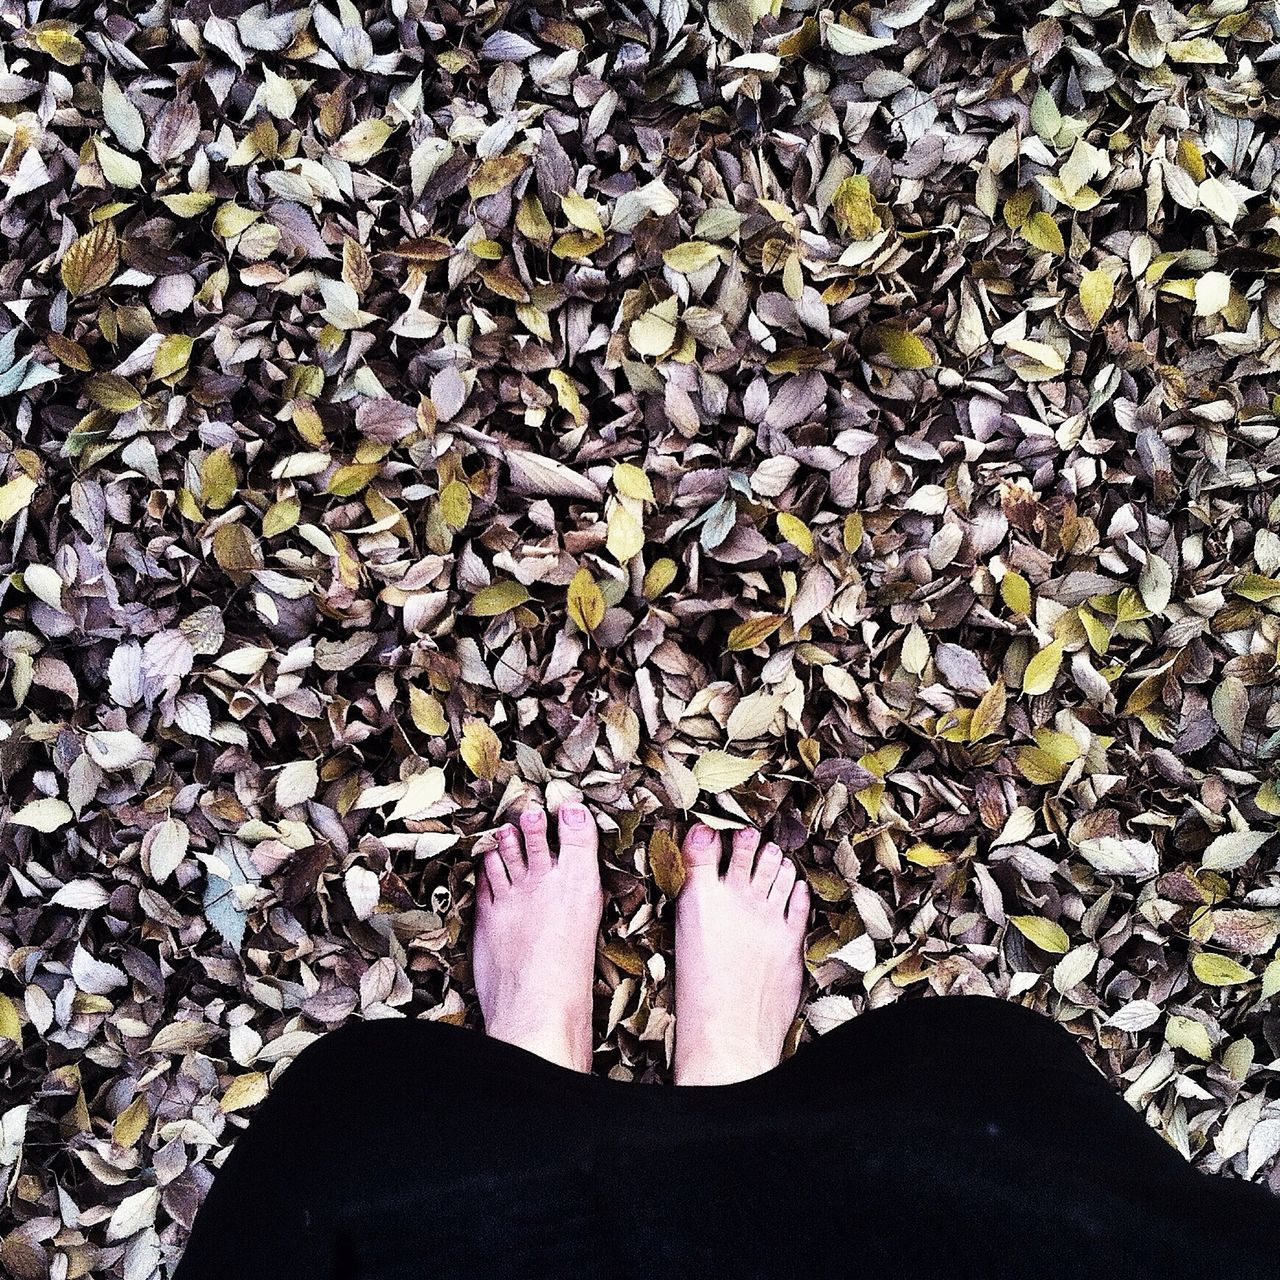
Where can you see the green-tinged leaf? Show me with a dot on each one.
(480, 749)
(903, 348)
(1048, 935)
(718, 771)
(585, 602)
(1219, 971)
(499, 597)
(1042, 670)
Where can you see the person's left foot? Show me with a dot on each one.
(537, 919)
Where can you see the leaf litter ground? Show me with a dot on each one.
(859, 423)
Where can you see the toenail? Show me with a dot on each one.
(702, 836)
(531, 818)
(573, 815)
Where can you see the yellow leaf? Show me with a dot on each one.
(903, 348)
(1042, 670)
(854, 208)
(59, 41)
(113, 392)
(576, 244)
(852, 532)
(667, 862)
(925, 855)
(91, 261)
(1200, 49)
(1041, 231)
(746, 635)
(718, 771)
(1015, 590)
(280, 517)
(131, 1123)
(10, 1023)
(15, 495)
(481, 750)
(171, 356)
(244, 1091)
(455, 504)
(1219, 971)
(651, 334)
(630, 481)
(1190, 1035)
(625, 539)
(1017, 207)
(218, 479)
(231, 220)
(188, 204)
(532, 221)
(1191, 158)
(1045, 934)
(119, 169)
(796, 532)
(1038, 766)
(495, 173)
(349, 480)
(567, 394)
(583, 213)
(499, 597)
(1096, 293)
(426, 713)
(690, 256)
(586, 604)
(659, 577)
(362, 142)
(988, 715)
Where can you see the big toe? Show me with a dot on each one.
(702, 848)
(579, 836)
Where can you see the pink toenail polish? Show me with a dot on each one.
(703, 836)
(573, 815)
(531, 818)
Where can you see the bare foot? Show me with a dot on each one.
(537, 918)
(739, 958)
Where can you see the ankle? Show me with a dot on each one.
(564, 1043)
(720, 1064)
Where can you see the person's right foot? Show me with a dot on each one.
(739, 958)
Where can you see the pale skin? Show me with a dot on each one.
(739, 956)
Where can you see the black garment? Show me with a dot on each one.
(939, 1137)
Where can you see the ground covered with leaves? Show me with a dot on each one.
(860, 423)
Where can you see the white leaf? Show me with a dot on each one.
(1137, 1015)
(115, 748)
(1231, 850)
(124, 673)
(1019, 825)
(95, 976)
(363, 890)
(858, 953)
(122, 117)
(1213, 292)
(45, 584)
(828, 1012)
(296, 783)
(753, 715)
(134, 1213)
(719, 771)
(81, 895)
(43, 815)
(425, 789)
(531, 473)
(1116, 857)
(167, 847)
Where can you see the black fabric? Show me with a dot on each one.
(950, 1137)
